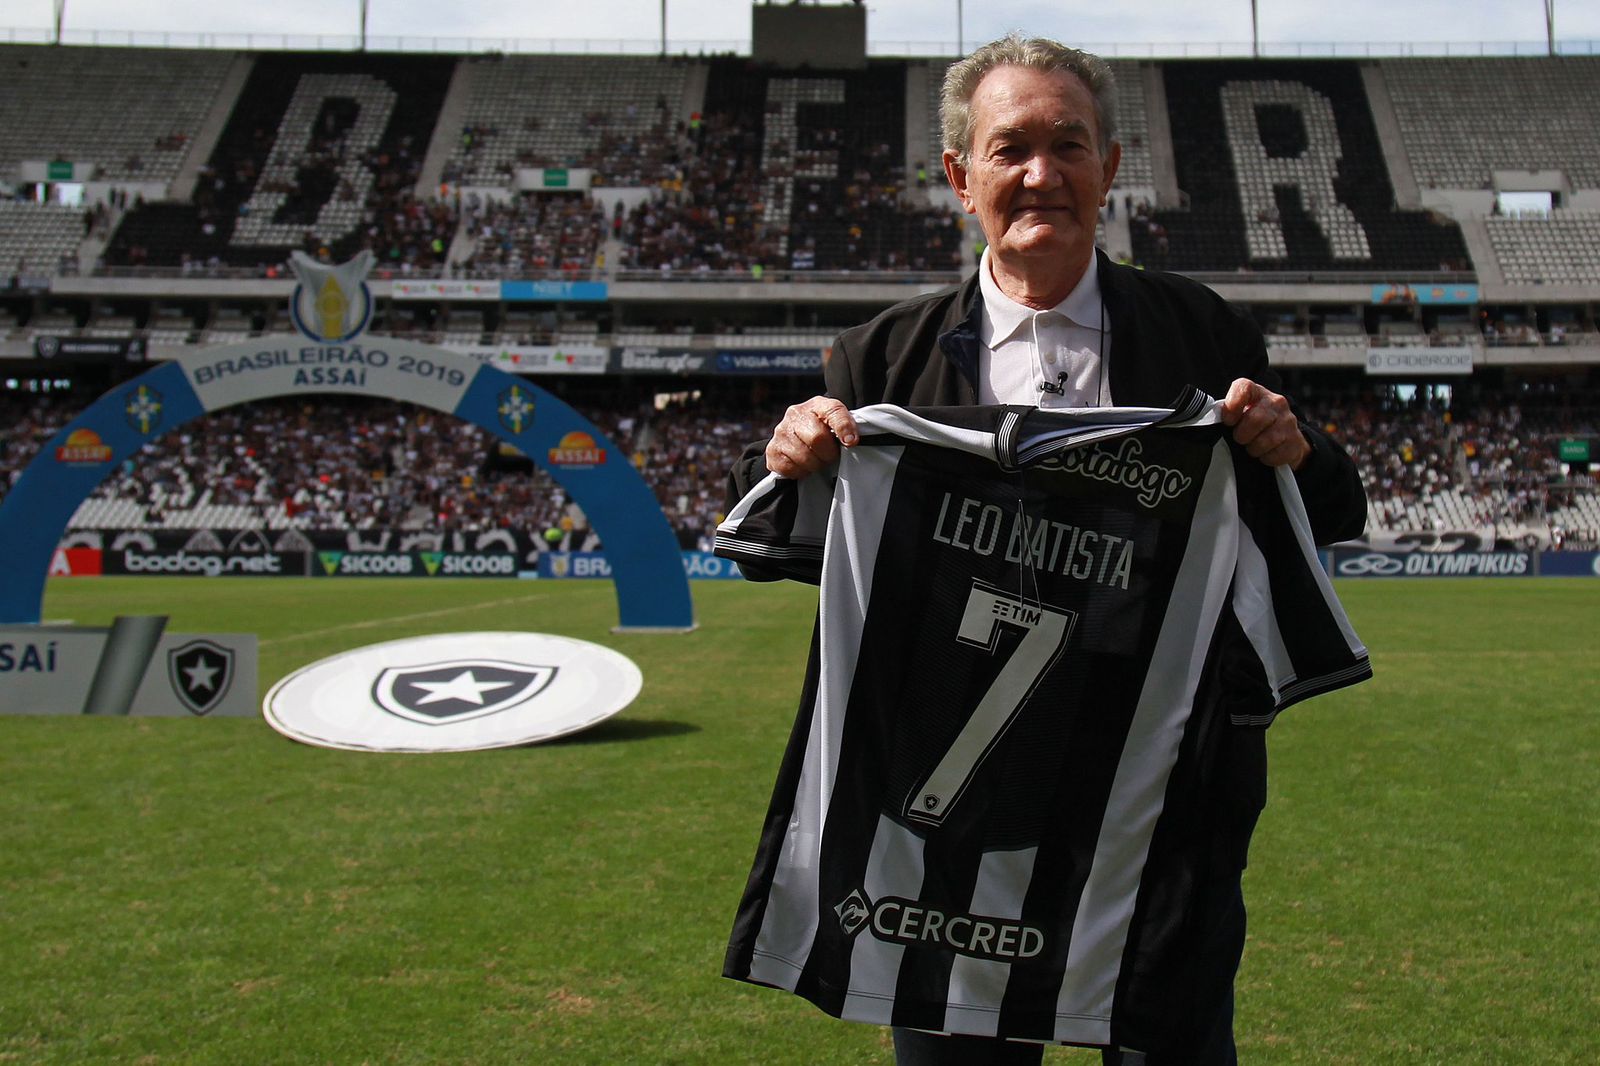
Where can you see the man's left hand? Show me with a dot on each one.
(1263, 424)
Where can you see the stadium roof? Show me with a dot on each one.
(1130, 28)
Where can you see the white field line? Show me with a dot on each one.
(374, 623)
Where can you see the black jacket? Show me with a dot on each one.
(1167, 332)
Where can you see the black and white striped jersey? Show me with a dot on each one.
(1034, 627)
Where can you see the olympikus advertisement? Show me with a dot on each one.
(1364, 562)
(331, 353)
(1569, 564)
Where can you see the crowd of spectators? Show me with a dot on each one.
(533, 235)
(690, 446)
(640, 160)
(341, 462)
(711, 217)
(355, 463)
(1497, 462)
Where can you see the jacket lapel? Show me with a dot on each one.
(958, 340)
(1135, 382)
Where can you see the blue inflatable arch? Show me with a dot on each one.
(652, 588)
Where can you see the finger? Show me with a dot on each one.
(803, 442)
(1251, 424)
(819, 423)
(837, 418)
(791, 455)
(1290, 453)
(1276, 443)
(1241, 395)
(1265, 413)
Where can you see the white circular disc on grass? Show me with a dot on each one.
(452, 692)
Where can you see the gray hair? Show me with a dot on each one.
(1035, 53)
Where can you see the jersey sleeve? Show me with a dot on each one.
(1298, 634)
(777, 530)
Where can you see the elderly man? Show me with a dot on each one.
(1048, 321)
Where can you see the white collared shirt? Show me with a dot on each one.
(1067, 346)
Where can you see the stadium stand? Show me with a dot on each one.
(1561, 248)
(55, 107)
(321, 153)
(1289, 177)
(39, 238)
(805, 173)
(532, 236)
(617, 115)
(1283, 170)
(1463, 119)
(1133, 127)
(934, 152)
(717, 221)
(344, 463)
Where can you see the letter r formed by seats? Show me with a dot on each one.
(1312, 171)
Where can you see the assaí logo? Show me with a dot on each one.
(578, 449)
(903, 921)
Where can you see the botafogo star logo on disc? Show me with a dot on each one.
(458, 690)
(452, 692)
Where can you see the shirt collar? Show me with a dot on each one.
(1003, 316)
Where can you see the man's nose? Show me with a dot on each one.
(1041, 172)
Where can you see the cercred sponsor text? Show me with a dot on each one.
(905, 921)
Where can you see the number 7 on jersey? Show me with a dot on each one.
(1045, 632)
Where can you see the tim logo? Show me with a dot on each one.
(331, 304)
(200, 673)
(458, 690)
(854, 911)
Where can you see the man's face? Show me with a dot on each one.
(1036, 175)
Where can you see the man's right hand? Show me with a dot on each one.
(809, 436)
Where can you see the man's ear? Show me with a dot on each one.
(957, 176)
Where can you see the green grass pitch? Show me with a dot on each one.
(1424, 886)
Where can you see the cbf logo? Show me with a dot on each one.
(331, 304)
(143, 409)
(515, 408)
(458, 690)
